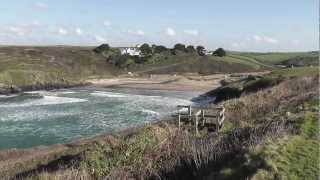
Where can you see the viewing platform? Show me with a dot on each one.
(204, 116)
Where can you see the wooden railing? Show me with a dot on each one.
(202, 116)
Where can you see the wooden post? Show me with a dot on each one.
(202, 115)
(190, 112)
(179, 119)
(217, 123)
(197, 125)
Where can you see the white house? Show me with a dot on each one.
(208, 52)
(132, 51)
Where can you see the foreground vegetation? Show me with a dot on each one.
(270, 133)
(234, 89)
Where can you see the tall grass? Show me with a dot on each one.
(289, 93)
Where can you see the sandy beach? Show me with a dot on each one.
(163, 82)
(187, 82)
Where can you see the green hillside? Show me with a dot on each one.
(63, 66)
(40, 66)
(279, 57)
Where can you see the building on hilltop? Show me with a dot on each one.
(132, 51)
(206, 52)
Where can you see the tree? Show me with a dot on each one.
(220, 52)
(102, 48)
(179, 47)
(160, 49)
(201, 50)
(145, 49)
(123, 61)
(191, 49)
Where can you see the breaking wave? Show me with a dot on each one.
(44, 100)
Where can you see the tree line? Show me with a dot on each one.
(115, 57)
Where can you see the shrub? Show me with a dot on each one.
(201, 50)
(179, 47)
(220, 52)
(159, 49)
(145, 49)
(191, 49)
(262, 84)
(102, 48)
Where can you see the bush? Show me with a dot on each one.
(159, 49)
(201, 50)
(262, 84)
(220, 52)
(227, 93)
(179, 47)
(191, 49)
(102, 48)
(145, 49)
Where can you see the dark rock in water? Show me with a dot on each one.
(7, 89)
(15, 89)
(4, 89)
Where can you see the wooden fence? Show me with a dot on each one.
(210, 115)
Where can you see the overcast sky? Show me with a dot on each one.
(247, 25)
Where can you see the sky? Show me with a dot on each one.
(246, 25)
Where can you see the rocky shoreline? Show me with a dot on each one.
(12, 89)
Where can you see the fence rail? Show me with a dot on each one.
(201, 116)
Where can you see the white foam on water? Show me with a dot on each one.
(46, 100)
(66, 92)
(8, 96)
(37, 92)
(108, 94)
(148, 111)
(27, 115)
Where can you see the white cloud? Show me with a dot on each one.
(266, 39)
(140, 32)
(137, 32)
(36, 23)
(295, 42)
(238, 44)
(62, 31)
(257, 38)
(270, 40)
(41, 5)
(170, 32)
(235, 45)
(79, 31)
(100, 39)
(22, 29)
(18, 30)
(107, 23)
(192, 32)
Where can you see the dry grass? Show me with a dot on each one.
(251, 107)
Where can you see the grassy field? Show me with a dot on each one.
(253, 83)
(201, 65)
(297, 156)
(276, 58)
(22, 66)
(39, 66)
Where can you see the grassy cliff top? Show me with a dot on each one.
(35, 66)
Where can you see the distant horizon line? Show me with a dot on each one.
(70, 45)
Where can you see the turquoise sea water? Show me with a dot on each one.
(61, 116)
